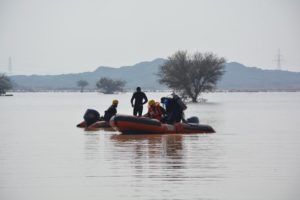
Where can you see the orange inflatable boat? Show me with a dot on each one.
(127, 124)
(98, 124)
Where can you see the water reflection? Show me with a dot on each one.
(171, 157)
(148, 165)
(154, 156)
(154, 146)
(92, 147)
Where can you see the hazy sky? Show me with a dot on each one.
(69, 36)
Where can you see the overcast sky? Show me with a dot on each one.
(70, 36)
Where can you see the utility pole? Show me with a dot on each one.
(279, 60)
(9, 66)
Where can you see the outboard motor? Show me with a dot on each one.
(91, 116)
(193, 120)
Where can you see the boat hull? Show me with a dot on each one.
(141, 125)
(98, 124)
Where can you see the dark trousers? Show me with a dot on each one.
(175, 116)
(138, 109)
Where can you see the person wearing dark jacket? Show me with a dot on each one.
(139, 99)
(174, 109)
(111, 111)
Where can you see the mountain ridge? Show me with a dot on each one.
(144, 74)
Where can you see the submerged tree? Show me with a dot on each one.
(5, 84)
(109, 86)
(191, 75)
(82, 84)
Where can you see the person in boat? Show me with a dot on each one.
(91, 116)
(174, 108)
(111, 111)
(155, 111)
(139, 98)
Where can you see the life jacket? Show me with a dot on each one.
(155, 111)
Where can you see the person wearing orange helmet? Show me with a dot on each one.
(155, 111)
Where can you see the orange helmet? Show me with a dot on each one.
(115, 102)
(151, 102)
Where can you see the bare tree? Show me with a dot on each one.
(191, 75)
(82, 84)
(5, 84)
(109, 86)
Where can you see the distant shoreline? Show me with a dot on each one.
(216, 91)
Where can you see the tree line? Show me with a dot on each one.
(105, 85)
(5, 84)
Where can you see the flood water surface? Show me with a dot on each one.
(254, 154)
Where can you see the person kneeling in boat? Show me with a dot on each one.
(155, 111)
(174, 109)
(111, 111)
